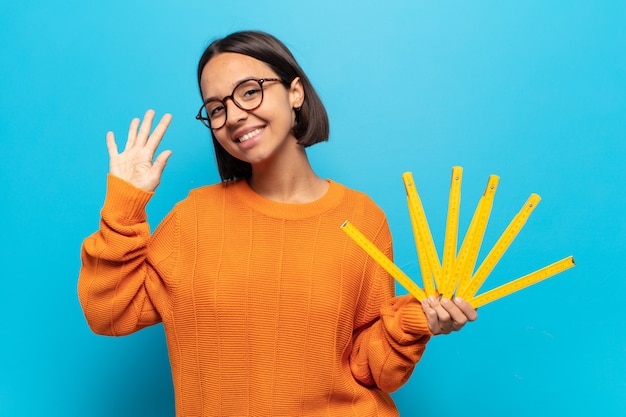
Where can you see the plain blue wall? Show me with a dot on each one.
(533, 91)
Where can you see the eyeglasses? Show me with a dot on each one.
(247, 95)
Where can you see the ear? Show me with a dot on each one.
(296, 93)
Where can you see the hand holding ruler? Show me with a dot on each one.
(453, 276)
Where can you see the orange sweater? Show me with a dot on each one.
(269, 309)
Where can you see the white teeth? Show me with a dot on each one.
(249, 135)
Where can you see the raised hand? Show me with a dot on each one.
(136, 164)
(446, 316)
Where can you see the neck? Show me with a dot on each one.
(292, 181)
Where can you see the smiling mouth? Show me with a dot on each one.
(249, 135)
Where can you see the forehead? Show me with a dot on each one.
(225, 70)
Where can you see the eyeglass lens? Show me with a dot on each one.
(247, 96)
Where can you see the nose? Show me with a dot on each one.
(234, 114)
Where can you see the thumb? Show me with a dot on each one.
(159, 163)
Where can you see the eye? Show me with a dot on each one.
(214, 110)
(249, 90)
(251, 93)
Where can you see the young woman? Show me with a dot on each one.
(268, 307)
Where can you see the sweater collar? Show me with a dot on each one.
(288, 211)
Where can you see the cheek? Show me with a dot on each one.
(281, 115)
(276, 105)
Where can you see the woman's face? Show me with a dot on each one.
(258, 135)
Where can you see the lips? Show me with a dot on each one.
(249, 135)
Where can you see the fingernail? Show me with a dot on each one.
(458, 300)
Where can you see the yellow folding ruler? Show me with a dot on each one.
(382, 260)
(453, 276)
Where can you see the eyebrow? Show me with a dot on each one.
(243, 80)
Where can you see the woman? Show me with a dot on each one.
(268, 307)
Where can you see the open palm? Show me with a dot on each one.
(136, 164)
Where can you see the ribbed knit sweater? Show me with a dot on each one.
(269, 309)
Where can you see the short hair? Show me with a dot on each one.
(312, 124)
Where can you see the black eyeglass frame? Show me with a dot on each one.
(207, 122)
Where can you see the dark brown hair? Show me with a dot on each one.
(311, 119)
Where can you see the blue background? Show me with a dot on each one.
(532, 91)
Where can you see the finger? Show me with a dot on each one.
(431, 317)
(460, 312)
(467, 309)
(444, 321)
(159, 163)
(144, 129)
(132, 133)
(457, 317)
(111, 145)
(159, 132)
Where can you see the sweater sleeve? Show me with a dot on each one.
(391, 331)
(118, 284)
